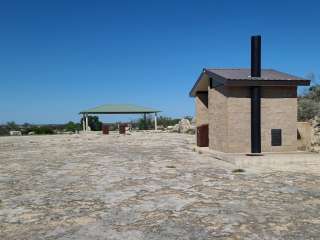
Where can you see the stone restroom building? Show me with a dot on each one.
(225, 105)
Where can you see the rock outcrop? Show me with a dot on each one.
(315, 135)
(184, 126)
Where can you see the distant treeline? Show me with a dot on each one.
(94, 123)
(27, 128)
(139, 123)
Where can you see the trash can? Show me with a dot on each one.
(105, 129)
(122, 128)
(203, 136)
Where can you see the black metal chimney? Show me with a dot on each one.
(255, 96)
(256, 56)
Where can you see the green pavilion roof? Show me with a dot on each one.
(119, 109)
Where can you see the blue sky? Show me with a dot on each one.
(59, 57)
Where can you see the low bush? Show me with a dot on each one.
(72, 127)
(238, 170)
(309, 104)
(42, 130)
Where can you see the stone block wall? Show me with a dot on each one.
(279, 111)
(304, 139)
(202, 114)
(239, 119)
(218, 119)
(230, 118)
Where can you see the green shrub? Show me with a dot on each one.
(41, 130)
(309, 104)
(4, 131)
(72, 127)
(167, 121)
(93, 122)
(147, 123)
(238, 170)
(12, 126)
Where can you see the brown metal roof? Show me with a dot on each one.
(244, 74)
(241, 77)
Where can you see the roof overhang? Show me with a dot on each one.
(92, 112)
(203, 82)
(119, 109)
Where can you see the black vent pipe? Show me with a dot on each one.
(256, 56)
(255, 95)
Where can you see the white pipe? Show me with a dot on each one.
(155, 122)
(83, 123)
(87, 123)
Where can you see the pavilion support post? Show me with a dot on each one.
(155, 122)
(87, 123)
(145, 121)
(83, 123)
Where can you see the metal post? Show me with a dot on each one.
(87, 123)
(255, 120)
(155, 121)
(145, 121)
(255, 95)
(83, 123)
(256, 56)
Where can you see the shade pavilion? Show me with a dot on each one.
(118, 109)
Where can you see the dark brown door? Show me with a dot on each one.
(203, 135)
(105, 129)
(122, 128)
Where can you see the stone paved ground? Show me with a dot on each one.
(146, 186)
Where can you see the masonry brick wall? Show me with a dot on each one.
(279, 111)
(239, 119)
(230, 118)
(218, 124)
(202, 114)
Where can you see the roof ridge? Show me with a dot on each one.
(240, 68)
(119, 108)
(117, 104)
(224, 68)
